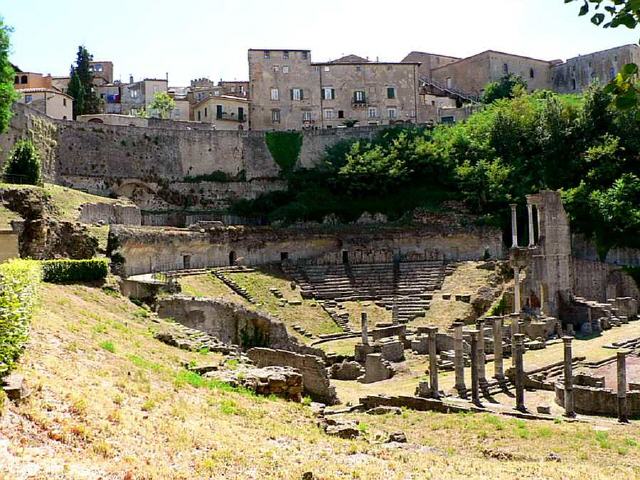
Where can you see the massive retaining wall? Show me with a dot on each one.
(586, 249)
(600, 281)
(144, 250)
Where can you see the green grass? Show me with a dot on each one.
(108, 346)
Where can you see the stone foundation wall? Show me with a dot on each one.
(585, 249)
(314, 374)
(598, 401)
(144, 250)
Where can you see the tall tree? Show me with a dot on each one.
(612, 14)
(85, 100)
(8, 94)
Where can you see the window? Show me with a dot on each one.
(267, 54)
(285, 69)
(573, 83)
(219, 112)
(612, 73)
(28, 98)
(358, 68)
(285, 55)
(276, 68)
(393, 113)
(449, 82)
(373, 112)
(275, 116)
(305, 55)
(275, 94)
(340, 113)
(297, 94)
(505, 69)
(199, 116)
(64, 102)
(216, 93)
(328, 113)
(241, 114)
(24, 79)
(328, 93)
(134, 93)
(205, 112)
(359, 96)
(532, 73)
(306, 116)
(391, 92)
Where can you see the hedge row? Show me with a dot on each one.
(68, 271)
(19, 281)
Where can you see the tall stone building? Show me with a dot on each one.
(428, 61)
(470, 75)
(578, 73)
(289, 91)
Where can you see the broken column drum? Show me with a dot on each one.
(365, 328)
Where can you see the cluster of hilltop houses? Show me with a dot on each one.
(286, 90)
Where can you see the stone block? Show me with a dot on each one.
(377, 369)
(392, 350)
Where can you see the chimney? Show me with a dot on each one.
(130, 78)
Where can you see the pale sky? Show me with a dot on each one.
(209, 38)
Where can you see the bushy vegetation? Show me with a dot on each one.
(23, 164)
(69, 271)
(508, 86)
(18, 296)
(582, 145)
(285, 149)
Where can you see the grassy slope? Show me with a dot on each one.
(96, 413)
(309, 315)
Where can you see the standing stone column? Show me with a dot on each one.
(458, 360)
(497, 350)
(364, 322)
(519, 371)
(475, 361)
(514, 226)
(515, 329)
(516, 290)
(569, 405)
(433, 361)
(482, 373)
(531, 231)
(394, 311)
(623, 411)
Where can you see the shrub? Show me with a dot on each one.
(69, 271)
(23, 164)
(19, 281)
(285, 149)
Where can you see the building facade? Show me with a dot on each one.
(225, 112)
(48, 101)
(428, 61)
(471, 75)
(578, 73)
(290, 92)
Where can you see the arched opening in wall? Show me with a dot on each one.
(345, 256)
(96, 120)
(232, 258)
(186, 262)
(284, 256)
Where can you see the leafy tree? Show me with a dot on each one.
(162, 104)
(612, 14)
(8, 94)
(23, 164)
(506, 87)
(85, 100)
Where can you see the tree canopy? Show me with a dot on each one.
(8, 94)
(162, 104)
(81, 88)
(507, 87)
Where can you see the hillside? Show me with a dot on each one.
(111, 402)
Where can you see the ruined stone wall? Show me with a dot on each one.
(230, 323)
(315, 378)
(600, 281)
(144, 250)
(112, 214)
